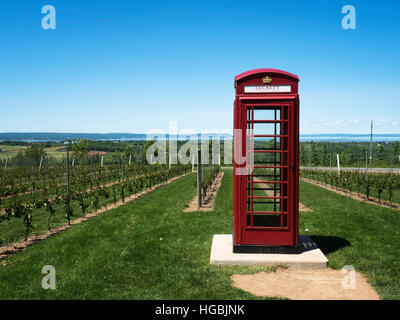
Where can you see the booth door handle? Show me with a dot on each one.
(291, 167)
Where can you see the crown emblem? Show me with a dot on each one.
(267, 79)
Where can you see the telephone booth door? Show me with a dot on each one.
(266, 190)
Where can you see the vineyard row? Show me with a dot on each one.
(26, 211)
(385, 185)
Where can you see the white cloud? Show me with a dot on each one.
(380, 122)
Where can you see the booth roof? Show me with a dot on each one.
(257, 71)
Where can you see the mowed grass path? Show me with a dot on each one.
(147, 249)
(355, 233)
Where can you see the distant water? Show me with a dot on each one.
(57, 137)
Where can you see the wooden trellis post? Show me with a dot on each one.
(123, 179)
(68, 189)
(199, 178)
(44, 173)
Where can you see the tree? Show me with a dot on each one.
(314, 154)
(396, 148)
(35, 152)
(19, 159)
(81, 149)
(128, 151)
(146, 146)
(380, 151)
(325, 157)
(302, 154)
(352, 157)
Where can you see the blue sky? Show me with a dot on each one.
(132, 66)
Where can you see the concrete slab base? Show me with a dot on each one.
(310, 258)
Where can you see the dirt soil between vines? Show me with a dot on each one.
(21, 245)
(209, 199)
(327, 284)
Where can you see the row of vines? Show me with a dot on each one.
(45, 201)
(380, 185)
(17, 182)
(207, 179)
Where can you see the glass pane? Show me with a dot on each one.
(264, 220)
(266, 174)
(266, 128)
(268, 159)
(269, 114)
(267, 143)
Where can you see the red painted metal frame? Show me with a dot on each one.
(255, 235)
(264, 72)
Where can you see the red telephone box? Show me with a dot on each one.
(266, 162)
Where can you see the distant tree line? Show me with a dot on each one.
(384, 154)
(35, 151)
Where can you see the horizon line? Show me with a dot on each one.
(198, 133)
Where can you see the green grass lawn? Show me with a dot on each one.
(55, 153)
(10, 151)
(149, 249)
